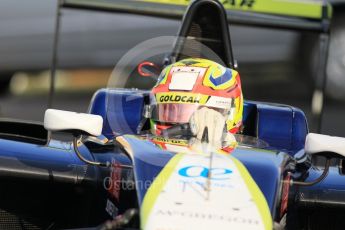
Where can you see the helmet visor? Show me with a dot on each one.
(180, 113)
(173, 113)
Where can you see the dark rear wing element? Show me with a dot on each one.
(295, 15)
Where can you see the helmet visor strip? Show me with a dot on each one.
(182, 112)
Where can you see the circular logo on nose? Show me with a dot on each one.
(196, 171)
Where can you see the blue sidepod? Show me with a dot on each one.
(267, 169)
(148, 161)
(327, 194)
(54, 162)
(43, 183)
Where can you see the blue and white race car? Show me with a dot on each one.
(113, 174)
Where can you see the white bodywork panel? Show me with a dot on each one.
(187, 201)
(316, 143)
(60, 120)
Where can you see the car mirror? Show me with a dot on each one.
(328, 146)
(148, 69)
(72, 122)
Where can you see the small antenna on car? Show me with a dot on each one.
(54, 53)
(54, 60)
(206, 148)
(209, 177)
(317, 106)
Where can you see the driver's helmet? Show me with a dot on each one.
(188, 85)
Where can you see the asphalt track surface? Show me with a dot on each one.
(273, 83)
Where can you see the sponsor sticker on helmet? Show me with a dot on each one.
(183, 80)
(219, 102)
(188, 98)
